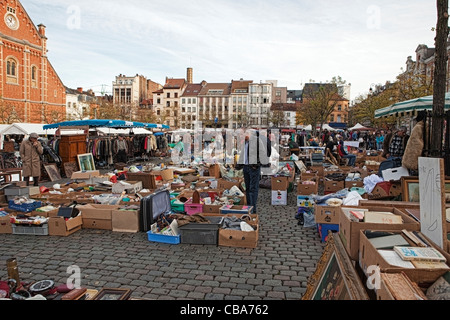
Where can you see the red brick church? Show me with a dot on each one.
(30, 89)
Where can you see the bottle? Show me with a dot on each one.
(13, 270)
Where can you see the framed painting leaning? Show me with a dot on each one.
(335, 277)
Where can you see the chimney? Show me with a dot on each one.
(190, 75)
(80, 90)
(42, 29)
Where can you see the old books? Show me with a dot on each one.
(419, 254)
(401, 287)
(382, 217)
(389, 242)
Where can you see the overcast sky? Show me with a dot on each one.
(293, 41)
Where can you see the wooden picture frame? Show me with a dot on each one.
(410, 189)
(69, 168)
(53, 172)
(335, 277)
(111, 294)
(86, 162)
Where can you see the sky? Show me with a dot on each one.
(292, 41)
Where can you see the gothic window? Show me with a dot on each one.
(11, 70)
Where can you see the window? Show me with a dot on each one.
(339, 107)
(11, 70)
(168, 94)
(34, 76)
(183, 101)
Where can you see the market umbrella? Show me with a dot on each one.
(419, 104)
(360, 127)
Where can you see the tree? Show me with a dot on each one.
(440, 75)
(319, 102)
(276, 118)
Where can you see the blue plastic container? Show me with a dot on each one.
(152, 237)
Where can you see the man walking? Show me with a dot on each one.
(254, 155)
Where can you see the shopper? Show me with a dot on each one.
(380, 141)
(254, 154)
(397, 144)
(121, 149)
(30, 152)
(344, 154)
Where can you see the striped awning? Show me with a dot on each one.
(419, 104)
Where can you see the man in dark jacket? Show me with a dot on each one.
(254, 155)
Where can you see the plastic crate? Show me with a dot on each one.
(160, 238)
(193, 208)
(41, 230)
(202, 233)
(24, 207)
(176, 207)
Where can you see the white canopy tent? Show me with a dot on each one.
(325, 126)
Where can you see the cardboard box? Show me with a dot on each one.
(125, 221)
(130, 187)
(97, 211)
(305, 201)
(349, 231)
(353, 184)
(309, 176)
(279, 198)
(236, 209)
(280, 183)
(319, 170)
(58, 226)
(369, 256)
(226, 185)
(214, 171)
(395, 174)
(327, 214)
(333, 186)
(5, 225)
(97, 216)
(85, 175)
(307, 189)
(97, 224)
(240, 239)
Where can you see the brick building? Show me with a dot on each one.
(30, 89)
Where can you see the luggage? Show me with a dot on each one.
(152, 207)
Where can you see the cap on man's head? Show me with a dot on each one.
(34, 136)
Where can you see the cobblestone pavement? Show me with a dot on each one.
(278, 269)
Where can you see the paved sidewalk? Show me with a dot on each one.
(278, 269)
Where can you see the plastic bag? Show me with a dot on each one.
(306, 217)
(309, 219)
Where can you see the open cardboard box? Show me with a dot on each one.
(5, 225)
(369, 256)
(349, 231)
(126, 221)
(58, 226)
(237, 238)
(331, 186)
(97, 216)
(327, 214)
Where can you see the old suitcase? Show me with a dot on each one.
(152, 207)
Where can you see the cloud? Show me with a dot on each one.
(291, 41)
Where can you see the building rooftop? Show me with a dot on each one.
(192, 90)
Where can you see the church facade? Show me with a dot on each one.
(30, 89)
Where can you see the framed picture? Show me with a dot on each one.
(53, 172)
(112, 294)
(69, 168)
(410, 189)
(335, 277)
(86, 162)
